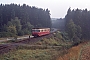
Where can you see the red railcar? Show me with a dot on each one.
(40, 31)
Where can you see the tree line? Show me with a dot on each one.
(77, 23)
(19, 20)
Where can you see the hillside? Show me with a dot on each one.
(47, 48)
(80, 52)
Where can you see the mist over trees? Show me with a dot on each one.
(21, 19)
(58, 24)
(81, 19)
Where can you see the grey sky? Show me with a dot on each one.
(58, 8)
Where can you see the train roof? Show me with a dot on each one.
(40, 28)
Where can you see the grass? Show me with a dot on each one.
(75, 53)
(53, 42)
(35, 52)
(46, 41)
(38, 54)
(44, 49)
(72, 54)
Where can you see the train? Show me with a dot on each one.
(37, 32)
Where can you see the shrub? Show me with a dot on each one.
(20, 33)
(6, 34)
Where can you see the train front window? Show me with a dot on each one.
(35, 30)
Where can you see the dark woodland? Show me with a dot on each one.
(78, 22)
(20, 19)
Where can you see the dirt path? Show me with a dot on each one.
(74, 53)
(12, 38)
(85, 53)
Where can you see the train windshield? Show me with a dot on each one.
(35, 30)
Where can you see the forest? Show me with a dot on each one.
(20, 19)
(77, 23)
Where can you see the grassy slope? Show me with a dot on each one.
(85, 52)
(25, 54)
(36, 53)
(77, 52)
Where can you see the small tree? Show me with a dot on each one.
(79, 31)
(14, 26)
(73, 30)
(27, 28)
(16, 22)
(12, 30)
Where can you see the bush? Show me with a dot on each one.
(6, 34)
(26, 32)
(20, 33)
(58, 35)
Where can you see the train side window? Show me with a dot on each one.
(38, 30)
(45, 30)
(41, 30)
(35, 30)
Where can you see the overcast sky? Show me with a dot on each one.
(58, 8)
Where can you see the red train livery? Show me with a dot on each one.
(40, 31)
